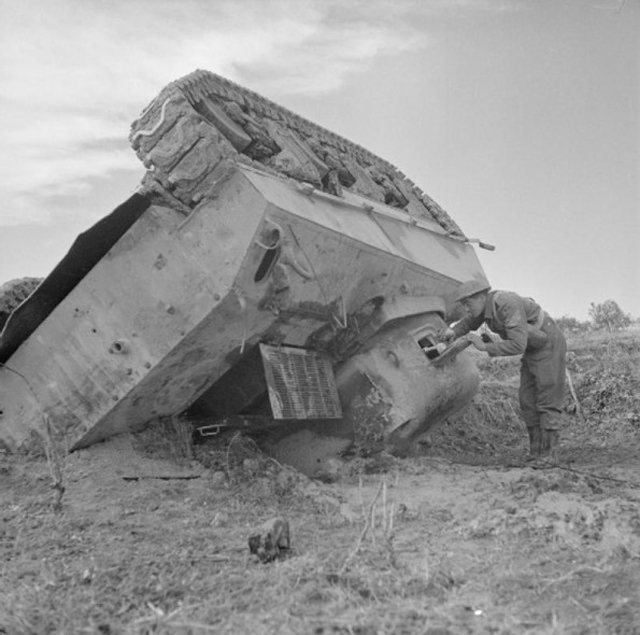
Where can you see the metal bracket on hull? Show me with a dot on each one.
(250, 423)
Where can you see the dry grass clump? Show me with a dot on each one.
(50, 441)
(489, 429)
(610, 386)
(606, 378)
(167, 437)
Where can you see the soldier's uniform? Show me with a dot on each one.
(525, 329)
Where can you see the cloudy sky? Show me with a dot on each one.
(520, 117)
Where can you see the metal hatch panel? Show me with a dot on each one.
(301, 383)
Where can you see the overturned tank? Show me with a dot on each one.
(268, 275)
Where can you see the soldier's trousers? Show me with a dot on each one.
(542, 381)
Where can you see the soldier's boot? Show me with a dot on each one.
(535, 442)
(549, 441)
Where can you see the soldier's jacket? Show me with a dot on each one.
(515, 319)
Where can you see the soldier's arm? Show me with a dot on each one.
(467, 324)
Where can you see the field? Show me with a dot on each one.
(150, 533)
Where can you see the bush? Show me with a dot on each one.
(609, 316)
(572, 326)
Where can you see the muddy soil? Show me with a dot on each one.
(460, 537)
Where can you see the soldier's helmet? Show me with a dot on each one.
(471, 287)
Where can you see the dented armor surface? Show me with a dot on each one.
(268, 274)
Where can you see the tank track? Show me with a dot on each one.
(199, 124)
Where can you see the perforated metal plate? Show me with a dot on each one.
(301, 383)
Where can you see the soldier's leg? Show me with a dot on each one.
(549, 370)
(529, 409)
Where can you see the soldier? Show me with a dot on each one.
(525, 329)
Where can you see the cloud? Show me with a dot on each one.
(75, 74)
(323, 62)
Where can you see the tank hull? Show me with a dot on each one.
(252, 227)
(175, 303)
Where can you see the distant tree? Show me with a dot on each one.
(608, 315)
(569, 324)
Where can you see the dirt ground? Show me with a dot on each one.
(150, 534)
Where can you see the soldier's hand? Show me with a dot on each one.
(447, 335)
(476, 340)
